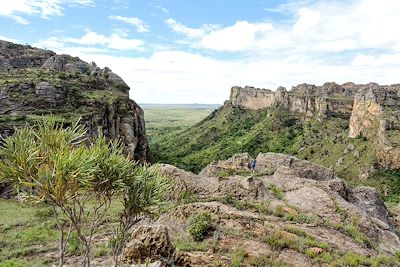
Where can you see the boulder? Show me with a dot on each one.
(235, 163)
(367, 199)
(150, 242)
(291, 166)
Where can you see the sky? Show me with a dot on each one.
(194, 51)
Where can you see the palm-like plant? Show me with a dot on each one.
(56, 164)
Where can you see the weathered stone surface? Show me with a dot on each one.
(289, 166)
(367, 199)
(185, 184)
(236, 162)
(328, 100)
(39, 82)
(150, 242)
(314, 193)
(376, 116)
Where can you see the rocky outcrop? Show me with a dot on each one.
(373, 110)
(286, 215)
(150, 242)
(329, 99)
(36, 82)
(376, 116)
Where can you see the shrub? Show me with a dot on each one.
(356, 234)
(301, 218)
(189, 245)
(74, 244)
(200, 225)
(276, 191)
(279, 241)
(238, 255)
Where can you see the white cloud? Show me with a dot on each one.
(83, 2)
(308, 20)
(239, 37)
(9, 39)
(182, 77)
(90, 38)
(15, 9)
(139, 24)
(320, 26)
(322, 41)
(182, 29)
(381, 60)
(163, 9)
(114, 41)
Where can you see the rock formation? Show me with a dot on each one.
(288, 213)
(374, 110)
(36, 82)
(329, 99)
(376, 115)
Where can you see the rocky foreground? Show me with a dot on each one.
(291, 213)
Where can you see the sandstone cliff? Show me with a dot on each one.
(36, 82)
(374, 110)
(329, 99)
(376, 115)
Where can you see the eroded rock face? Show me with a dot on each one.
(38, 82)
(376, 115)
(373, 110)
(329, 99)
(236, 162)
(367, 199)
(150, 242)
(297, 195)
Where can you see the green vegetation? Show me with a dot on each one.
(51, 164)
(84, 94)
(230, 130)
(170, 119)
(183, 244)
(200, 226)
(260, 207)
(25, 231)
(276, 191)
(238, 255)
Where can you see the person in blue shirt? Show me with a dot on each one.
(253, 164)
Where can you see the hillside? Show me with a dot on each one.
(168, 118)
(290, 213)
(310, 122)
(35, 83)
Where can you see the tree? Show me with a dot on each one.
(57, 165)
(144, 189)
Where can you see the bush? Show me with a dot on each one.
(237, 257)
(276, 191)
(74, 245)
(182, 244)
(279, 241)
(200, 225)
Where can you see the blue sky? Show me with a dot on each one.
(181, 51)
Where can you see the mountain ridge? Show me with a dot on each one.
(36, 82)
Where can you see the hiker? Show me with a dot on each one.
(253, 164)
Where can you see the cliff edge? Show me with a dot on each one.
(36, 82)
(373, 110)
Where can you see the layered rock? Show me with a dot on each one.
(296, 203)
(329, 99)
(374, 110)
(36, 82)
(376, 115)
